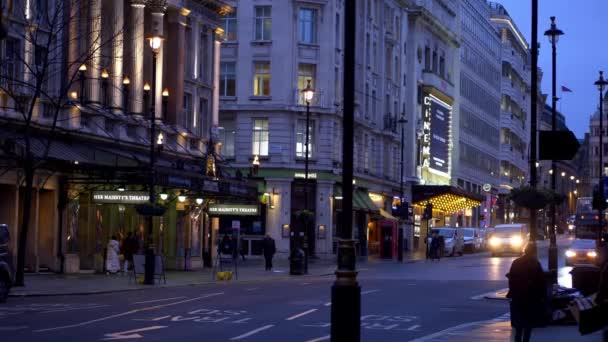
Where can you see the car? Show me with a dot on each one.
(6, 263)
(453, 238)
(509, 238)
(472, 239)
(581, 251)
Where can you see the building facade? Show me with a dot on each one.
(91, 127)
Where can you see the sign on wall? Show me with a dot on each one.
(121, 197)
(436, 119)
(234, 209)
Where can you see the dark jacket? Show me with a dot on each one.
(602, 293)
(269, 247)
(527, 292)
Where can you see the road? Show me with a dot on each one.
(400, 302)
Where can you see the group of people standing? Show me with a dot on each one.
(229, 246)
(119, 255)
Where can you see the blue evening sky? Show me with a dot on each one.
(581, 52)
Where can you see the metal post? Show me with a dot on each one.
(346, 292)
(552, 232)
(309, 238)
(150, 258)
(400, 235)
(601, 168)
(533, 114)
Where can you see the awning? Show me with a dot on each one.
(361, 200)
(445, 198)
(386, 216)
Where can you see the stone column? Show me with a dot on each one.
(94, 51)
(136, 93)
(176, 43)
(215, 110)
(117, 61)
(158, 8)
(73, 49)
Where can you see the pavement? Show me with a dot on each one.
(414, 301)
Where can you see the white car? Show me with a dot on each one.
(453, 239)
(509, 238)
(472, 239)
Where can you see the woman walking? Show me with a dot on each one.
(112, 262)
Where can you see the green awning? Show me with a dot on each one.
(361, 200)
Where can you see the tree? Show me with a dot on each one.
(40, 78)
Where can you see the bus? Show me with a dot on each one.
(586, 222)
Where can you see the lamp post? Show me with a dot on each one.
(601, 84)
(155, 44)
(82, 69)
(401, 121)
(104, 87)
(308, 93)
(346, 292)
(533, 116)
(553, 34)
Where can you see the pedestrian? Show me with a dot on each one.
(269, 248)
(435, 245)
(601, 299)
(242, 249)
(527, 293)
(112, 261)
(130, 245)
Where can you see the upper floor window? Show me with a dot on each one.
(261, 79)
(307, 26)
(263, 22)
(228, 79)
(260, 137)
(226, 135)
(301, 138)
(306, 72)
(188, 117)
(230, 26)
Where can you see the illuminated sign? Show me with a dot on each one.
(234, 209)
(121, 197)
(311, 175)
(436, 118)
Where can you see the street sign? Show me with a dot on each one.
(557, 145)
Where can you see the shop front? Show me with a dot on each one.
(363, 210)
(242, 221)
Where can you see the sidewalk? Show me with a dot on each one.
(251, 270)
(499, 330)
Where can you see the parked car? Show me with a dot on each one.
(454, 240)
(472, 239)
(509, 238)
(6, 263)
(581, 251)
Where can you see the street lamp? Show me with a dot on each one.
(165, 103)
(81, 73)
(553, 33)
(308, 93)
(155, 44)
(601, 84)
(125, 90)
(255, 165)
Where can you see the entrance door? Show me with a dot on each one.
(387, 242)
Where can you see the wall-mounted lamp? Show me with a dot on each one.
(321, 232)
(181, 197)
(199, 201)
(285, 231)
(164, 195)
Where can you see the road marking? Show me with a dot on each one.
(13, 328)
(301, 314)
(252, 332)
(413, 327)
(304, 284)
(130, 334)
(369, 291)
(72, 309)
(158, 300)
(489, 294)
(450, 331)
(252, 289)
(323, 338)
(151, 319)
(127, 313)
(327, 304)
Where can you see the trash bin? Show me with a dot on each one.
(586, 279)
(296, 262)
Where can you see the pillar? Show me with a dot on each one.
(73, 49)
(157, 9)
(215, 110)
(176, 43)
(136, 93)
(117, 60)
(94, 51)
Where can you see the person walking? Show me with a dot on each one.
(127, 251)
(527, 294)
(242, 249)
(601, 299)
(112, 261)
(269, 248)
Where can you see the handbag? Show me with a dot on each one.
(589, 316)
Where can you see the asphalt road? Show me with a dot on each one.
(400, 302)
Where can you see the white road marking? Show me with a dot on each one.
(252, 332)
(13, 328)
(72, 309)
(450, 331)
(130, 334)
(413, 327)
(301, 314)
(304, 284)
(158, 300)
(489, 294)
(323, 338)
(369, 291)
(151, 319)
(327, 304)
(127, 313)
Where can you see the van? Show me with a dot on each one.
(509, 238)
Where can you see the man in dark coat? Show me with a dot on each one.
(527, 293)
(269, 250)
(601, 299)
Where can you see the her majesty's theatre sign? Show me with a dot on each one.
(121, 197)
(436, 118)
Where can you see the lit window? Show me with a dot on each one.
(306, 72)
(261, 79)
(301, 138)
(260, 137)
(263, 22)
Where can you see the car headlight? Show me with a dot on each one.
(494, 242)
(571, 227)
(592, 254)
(516, 240)
(570, 254)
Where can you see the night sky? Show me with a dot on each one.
(581, 52)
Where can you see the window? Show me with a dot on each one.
(261, 79)
(188, 66)
(301, 138)
(260, 137)
(226, 137)
(366, 100)
(187, 111)
(368, 50)
(9, 63)
(230, 26)
(435, 61)
(366, 153)
(263, 22)
(204, 64)
(338, 32)
(306, 72)
(427, 58)
(228, 79)
(203, 105)
(307, 26)
(442, 66)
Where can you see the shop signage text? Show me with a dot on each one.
(436, 117)
(234, 209)
(311, 175)
(121, 197)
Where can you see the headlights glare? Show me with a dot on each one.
(592, 254)
(570, 254)
(516, 240)
(494, 242)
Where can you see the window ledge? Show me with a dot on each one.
(261, 42)
(228, 98)
(230, 42)
(259, 158)
(303, 159)
(260, 98)
(309, 45)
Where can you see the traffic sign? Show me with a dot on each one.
(557, 145)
